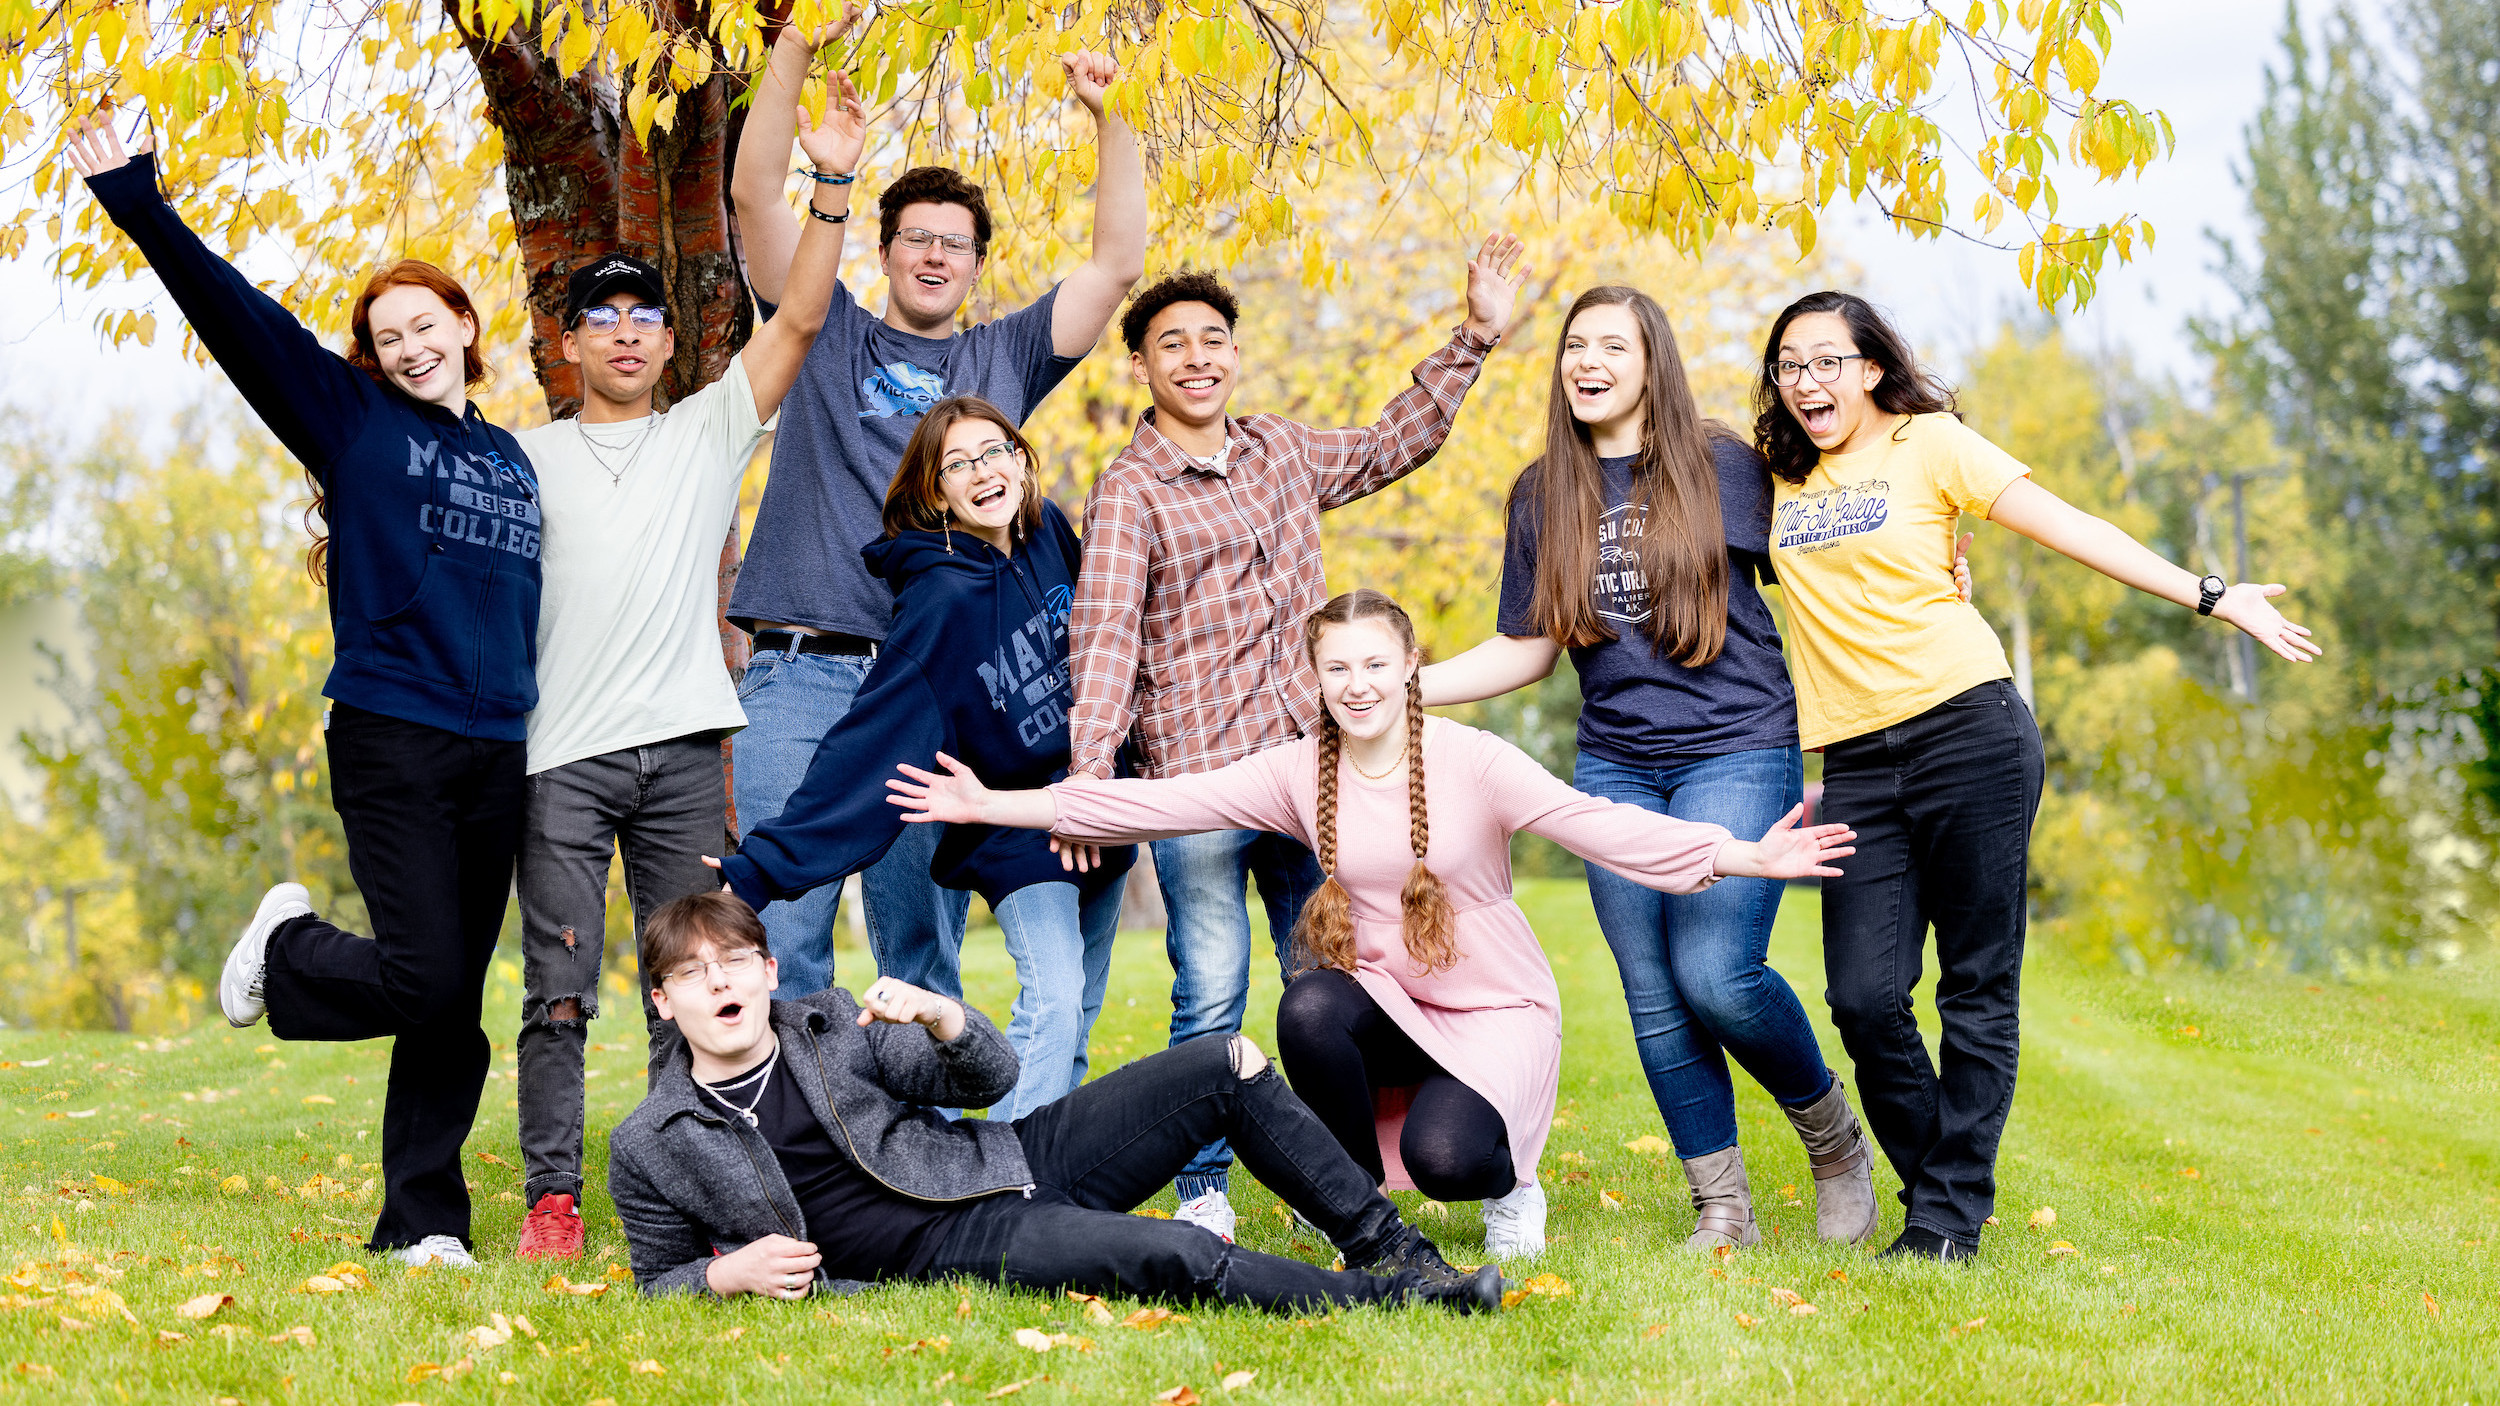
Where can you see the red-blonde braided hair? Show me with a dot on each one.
(1325, 933)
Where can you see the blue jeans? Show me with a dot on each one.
(1206, 904)
(915, 928)
(1061, 943)
(1692, 964)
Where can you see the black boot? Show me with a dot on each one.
(1920, 1243)
(1410, 1250)
(1480, 1292)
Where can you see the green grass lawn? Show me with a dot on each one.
(2264, 1188)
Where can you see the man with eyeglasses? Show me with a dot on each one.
(817, 614)
(633, 700)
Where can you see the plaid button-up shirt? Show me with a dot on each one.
(1196, 577)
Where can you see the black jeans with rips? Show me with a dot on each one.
(433, 821)
(1109, 1145)
(1943, 805)
(665, 806)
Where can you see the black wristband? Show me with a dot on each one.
(828, 219)
(822, 179)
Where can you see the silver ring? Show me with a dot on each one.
(790, 1281)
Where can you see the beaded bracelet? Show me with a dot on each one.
(821, 178)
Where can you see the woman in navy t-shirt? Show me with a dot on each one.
(1635, 541)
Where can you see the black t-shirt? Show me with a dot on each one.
(864, 1229)
(1644, 708)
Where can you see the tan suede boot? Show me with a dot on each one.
(1722, 1199)
(1844, 1166)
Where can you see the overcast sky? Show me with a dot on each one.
(2202, 63)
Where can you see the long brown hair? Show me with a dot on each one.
(1325, 933)
(916, 500)
(1682, 551)
(1907, 388)
(406, 273)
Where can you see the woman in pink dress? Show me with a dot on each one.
(1426, 1031)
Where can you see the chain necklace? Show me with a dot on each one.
(761, 1081)
(615, 471)
(1392, 769)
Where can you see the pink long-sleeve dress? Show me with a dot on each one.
(1494, 1018)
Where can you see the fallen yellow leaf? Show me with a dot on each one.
(1033, 1338)
(2062, 1248)
(2430, 1303)
(1841, 1274)
(2191, 1173)
(649, 1367)
(732, 1335)
(1802, 1310)
(325, 1284)
(202, 1306)
(1650, 1145)
(963, 1306)
(424, 1371)
(301, 1335)
(1609, 1201)
(316, 1099)
(1433, 1210)
(558, 1284)
(1787, 1296)
(1145, 1318)
(1235, 1381)
(234, 1186)
(1151, 1213)
(1178, 1396)
(1747, 1320)
(2043, 1218)
(1011, 1388)
(168, 1337)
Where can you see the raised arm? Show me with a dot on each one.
(2062, 527)
(1355, 462)
(1104, 639)
(767, 234)
(779, 348)
(1497, 666)
(308, 395)
(1092, 293)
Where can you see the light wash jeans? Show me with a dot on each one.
(1061, 943)
(915, 928)
(1693, 966)
(1206, 904)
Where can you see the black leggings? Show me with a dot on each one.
(1337, 1046)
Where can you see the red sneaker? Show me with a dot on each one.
(553, 1230)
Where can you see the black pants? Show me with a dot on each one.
(1338, 1047)
(433, 820)
(663, 804)
(1106, 1147)
(1943, 805)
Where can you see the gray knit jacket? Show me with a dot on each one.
(691, 1182)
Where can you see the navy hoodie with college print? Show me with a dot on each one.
(976, 667)
(433, 517)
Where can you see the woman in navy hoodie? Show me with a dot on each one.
(433, 518)
(983, 569)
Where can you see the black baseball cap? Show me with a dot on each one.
(606, 276)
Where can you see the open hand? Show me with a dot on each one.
(1788, 852)
(1075, 855)
(1494, 278)
(1088, 75)
(835, 142)
(1961, 567)
(957, 798)
(94, 148)
(776, 1266)
(2251, 608)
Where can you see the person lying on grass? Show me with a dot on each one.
(789, 1147)
(1425, 1030)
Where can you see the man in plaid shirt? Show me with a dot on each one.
(1202, 559)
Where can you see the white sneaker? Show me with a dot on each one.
(1211, 1212)
(238, 991)
(1514, 1226)
(444, 1250)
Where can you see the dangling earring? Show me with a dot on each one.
(946, 528)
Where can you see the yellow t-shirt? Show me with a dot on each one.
(1864, 553)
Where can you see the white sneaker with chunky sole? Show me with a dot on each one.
(238, 990)
(445, 1250)
(1514, 1225)
(1211, 1212)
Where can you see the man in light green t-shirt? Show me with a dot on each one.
(633, 695)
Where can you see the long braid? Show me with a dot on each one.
(1324, 935)
(1424, 906)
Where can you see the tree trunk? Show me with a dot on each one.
(580, 187)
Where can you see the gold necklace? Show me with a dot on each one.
(1392, 771)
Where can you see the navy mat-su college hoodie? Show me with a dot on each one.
(976, 667)
(434, 519)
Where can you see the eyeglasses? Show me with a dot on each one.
(1826, 369)
(919, 240)
(737, 963)
(603, 317)
(1002, 453)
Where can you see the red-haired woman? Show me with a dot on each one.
(1427, 1033)
(433, 514)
